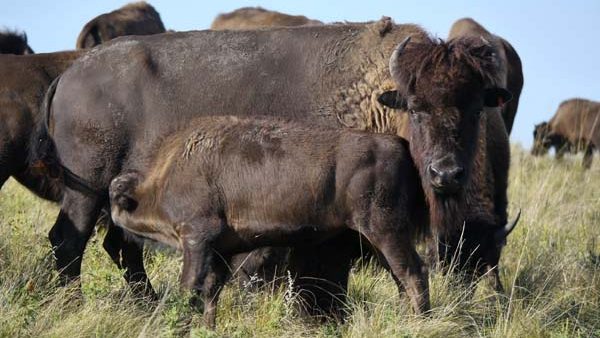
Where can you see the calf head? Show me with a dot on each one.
(445, 88)
(122, 193)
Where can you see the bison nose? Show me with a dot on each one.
(445, 180)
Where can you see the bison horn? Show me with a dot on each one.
(509, 227)
(394, 67)
(485, 41)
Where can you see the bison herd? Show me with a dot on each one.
(256, 144)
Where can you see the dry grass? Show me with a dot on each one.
(550, 270)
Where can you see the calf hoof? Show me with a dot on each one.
(122, 190)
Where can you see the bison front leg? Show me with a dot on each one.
(406, 267)
(204, 272)
(587, 156)
(127, 252)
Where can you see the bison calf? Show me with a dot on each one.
(227, 185)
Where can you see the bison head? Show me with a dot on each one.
(445, 87)
(541, 139)
(14, 43)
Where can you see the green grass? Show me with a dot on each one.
(550, 271)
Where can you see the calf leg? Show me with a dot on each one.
(407, 269)
(72, 230)
(203, 272)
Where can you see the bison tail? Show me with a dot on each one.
(42, 152)
(43, 157)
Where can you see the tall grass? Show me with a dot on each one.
(550, 269)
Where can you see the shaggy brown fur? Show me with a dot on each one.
(227, 185)
(575, 127)
(257, 17)
(511, 72)
(14, 43)
(138, 18)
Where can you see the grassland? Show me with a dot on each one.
(550, 269)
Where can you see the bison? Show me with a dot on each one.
(257, 17)
(574, 127)
(104, 120)
(14, 43)
(512, 70)
(227, 185)
(25, 79)
(138, 18)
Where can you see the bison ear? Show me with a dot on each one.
(392, 99)
(496, 97)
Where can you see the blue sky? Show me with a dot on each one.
(558, 41)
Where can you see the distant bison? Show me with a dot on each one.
(510, 61)
(14, 43)
(257, 17)
(227, 185)
(575, 127)
(444, 95)
(138, 18)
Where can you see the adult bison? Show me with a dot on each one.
(574, 127)
(138, 18)
(512, 71)
(257, 17)
(23, 82)
(14, 43)
(227, 185)
(108, 119)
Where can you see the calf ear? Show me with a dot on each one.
(391, 99)
(496, 97)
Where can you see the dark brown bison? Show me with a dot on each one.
(108, 119)
(485, 218)
(227, 185)
(257, 17)
(23, 82)
(138, 18)
(14, 43)
(574, 127)
(510, 62)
